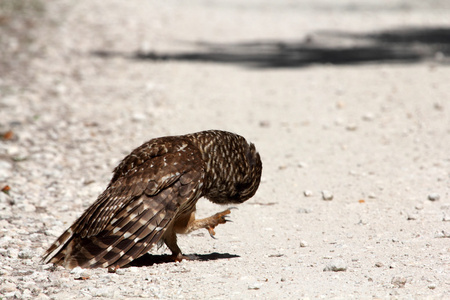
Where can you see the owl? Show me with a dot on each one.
(152, 197)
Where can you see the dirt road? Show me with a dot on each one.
(345, 100)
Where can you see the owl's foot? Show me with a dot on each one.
(219, 218)
(208, 223)
(179, 257)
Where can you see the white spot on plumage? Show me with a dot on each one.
(93, 261)
(116, 229)
(126, 235)
(132, 216)
(164, 178)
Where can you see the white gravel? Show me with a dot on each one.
(82, 112)
(327, 195)
(336, 265)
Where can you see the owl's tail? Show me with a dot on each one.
(131, 235)
(57, 251)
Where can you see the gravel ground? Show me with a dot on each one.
(348, 104)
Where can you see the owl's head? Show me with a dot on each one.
(233, 167)
(247, 182)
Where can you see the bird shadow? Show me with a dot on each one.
(148, 259)
(396, 45)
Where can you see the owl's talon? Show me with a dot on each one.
(211, 232)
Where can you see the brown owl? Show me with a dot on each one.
(152, 197)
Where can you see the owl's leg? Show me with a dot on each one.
(208, 223)
(170, 239)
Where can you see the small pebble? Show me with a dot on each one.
(445, 218)
(442, 234)
(379, 264)
(307, 193)
(340, 104)
(433, 197)
(255, 286)
(304, 210)
(327, 195)
(264, 124)
(303, 244)
(351, 127)
(336, 265)
(302, 165)
(438, 106)
(120, 272)
(137, 117)
(362, 222)
(398, 281)
(76, 270)
(25, 254)
(339, 121)
(412, 217)
(432, 286)
(368, 116)
(80, 273)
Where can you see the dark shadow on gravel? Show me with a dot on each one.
(406, 45)
(150, 259)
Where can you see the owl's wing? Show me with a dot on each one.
(132, 214)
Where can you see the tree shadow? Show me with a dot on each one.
(404, 45)
(151, 259)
